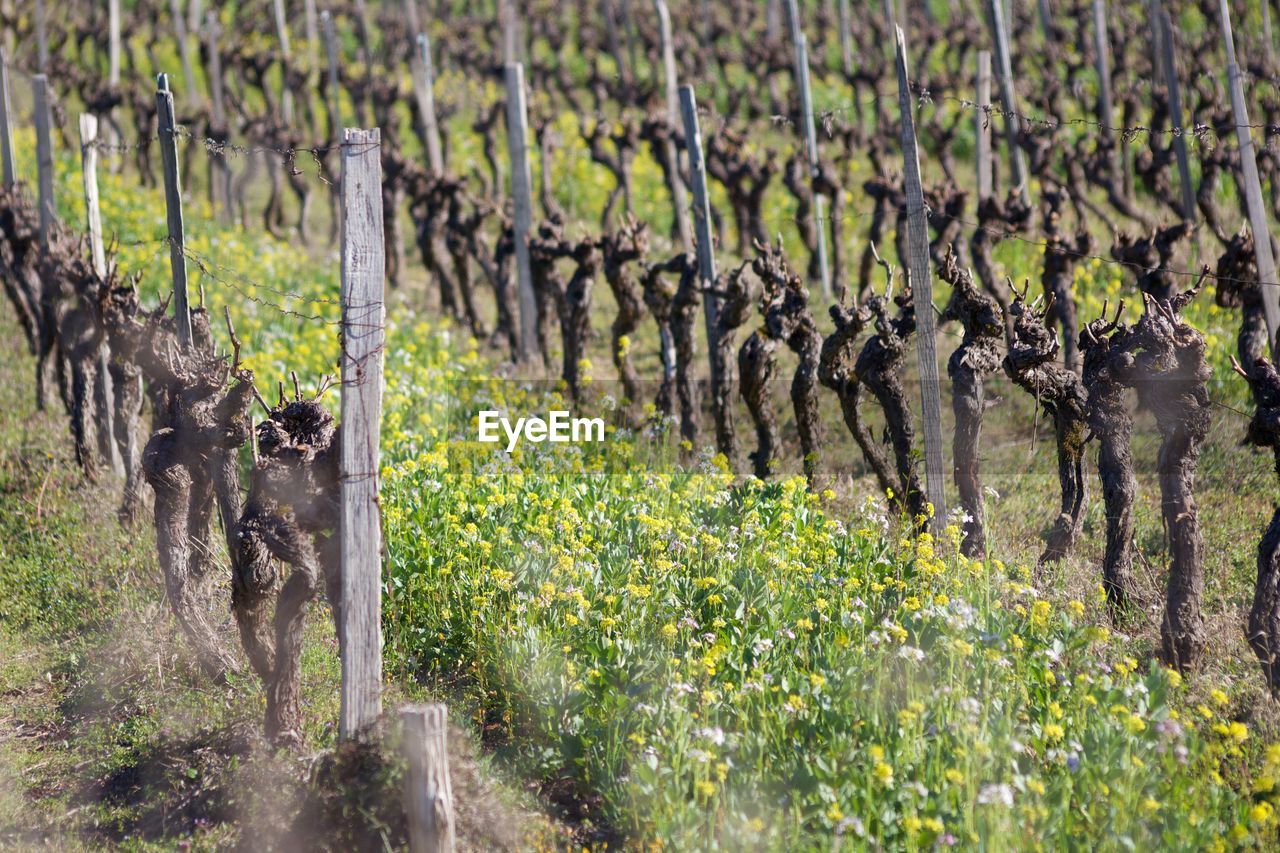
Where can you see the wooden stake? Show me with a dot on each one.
(811, 149)
(332, 90)
(113, 59)
(1008, 99)
(522, 194)
(282, 33)
(44, 156)
(42, 38)
(983, 129)
(922, 292)
(104, 395)
(846, 38)
(702, 223)
(673, 111)
(313, 40)
(1165, 30)
(1252, 188)
(424, 77)
(173, 207)
(428, 791)
(6, 124)
(363, 339)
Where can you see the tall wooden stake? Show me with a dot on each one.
(363, 339)
(701, 222)
(922, 293)
(173, 207)
(522, 194)
(673, 111)
(44, 156)
(282, 34)
(1008, 99)
(811, 149)
(983, 129)
(103, 393)
(428, 791)
(1165, 30)
(424, 77)
(1252, 187)
(42, 38)
(6, 124)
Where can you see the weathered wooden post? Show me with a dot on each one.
(103, 394)
(510, 32)
(522, 195)
(1252, 187)
(1102, 66)
(42, 38)
(184, 49)
(282, 34)
(800, 47)
(44, 156)
(1165, 40)
(1008, 99)
(113, 59)
(846, 38)
(363, 339)
(982, 131)
(6, 124)
(678, 196)
(173, 207)
(428, 791)
(702, 223)
(922, 292)
(424, 77)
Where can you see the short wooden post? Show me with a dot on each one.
(522, 194)
(103, 393)
(6, 124)
(702, 223)
(1165, 30)
(982, 131)
(670, 79)
(428, 793)
(1252, 188)
(173, 207)
(363, 338)
(282, 34)
(1008, 99)
(922, 292)
(424, 77)
(44, 156)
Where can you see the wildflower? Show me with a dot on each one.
(1054, 732)
(1262, 813)
(1219, 697)
(883, 774)
(996, 794)
(704, 788)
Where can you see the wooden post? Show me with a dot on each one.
(1165, 30)
(42, 38)
(428, 793)
(522, 194)
(282, 33)
(1252, 188)
(424, 77)
(510, 32)
(811, 149)
(983, 129)
(195, 15)
(702, 223)
(103, 393)
(173, 207)
(681, 203)
(44, 156)
(331, 51)
(184, 49)
(922, 292)
(6, 123)
(113, 58)
(411, 15)
(363, 337)
(1008, 99)
(313, 40)
(846, 38)
(1102, 66)
(1267, 41)
(220, 169)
